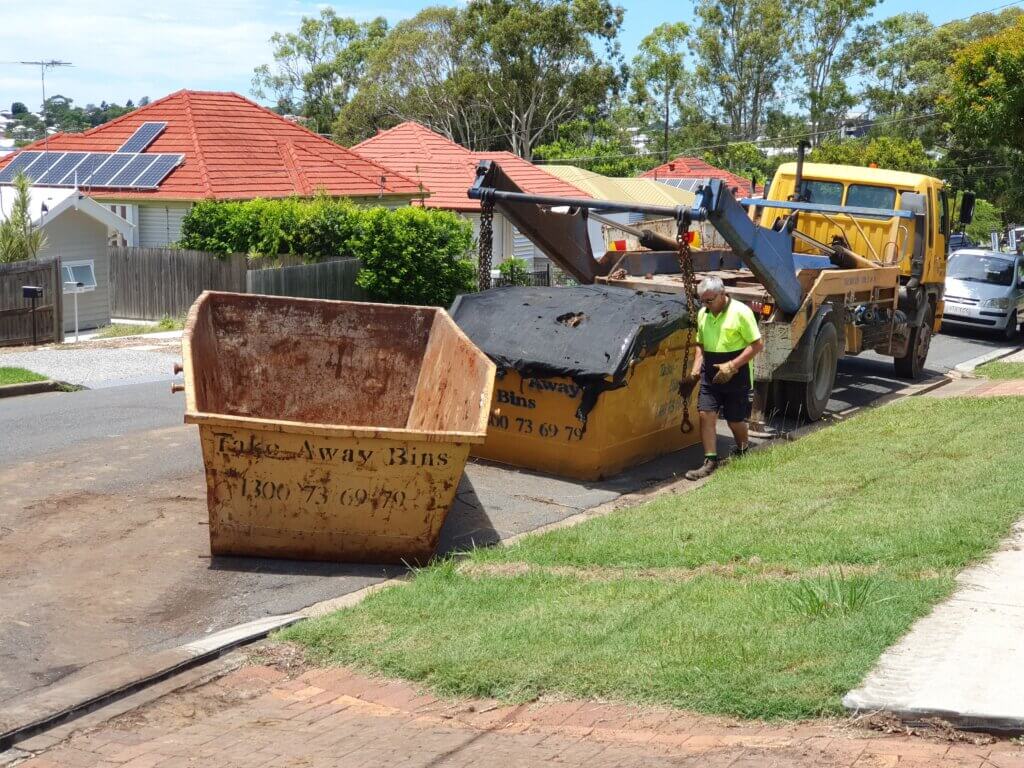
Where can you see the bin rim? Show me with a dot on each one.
(327, 430)
(194, 416)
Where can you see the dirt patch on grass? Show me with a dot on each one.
(749, 570)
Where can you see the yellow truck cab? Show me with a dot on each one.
(876, 239)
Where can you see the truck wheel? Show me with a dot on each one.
(810, 398)
(1011, 330)
(911, 365)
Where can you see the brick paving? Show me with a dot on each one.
(261, 716)
(1001, 388)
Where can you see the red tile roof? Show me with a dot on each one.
(447, 169)
(695, 168)
(235, 149)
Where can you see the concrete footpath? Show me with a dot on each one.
(287, 715)
(964, 662)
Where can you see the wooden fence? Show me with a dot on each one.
(16, 317)
(151, 283)
(325, 280)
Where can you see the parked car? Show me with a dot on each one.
(985, 289)
(959, 241)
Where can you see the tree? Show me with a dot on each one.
(823, 57)
(18, 108)
(423, 71)
(741, 50)
(539, 65)
(659, 72)
(744, 159)
(320, 66)
(904, 60)
(603, 145)
(19, 238)
(987, 217)
(985, 98)
(60, 114)
(890, 152)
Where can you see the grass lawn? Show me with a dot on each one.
(18, 376)
(998, 370)
(130, 329)
(769, 592)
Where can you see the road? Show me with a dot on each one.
(103, 545)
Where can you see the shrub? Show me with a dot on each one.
(409, 255)
(328, 228)
(414, 255)
(514, 271)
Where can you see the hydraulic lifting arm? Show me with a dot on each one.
(565, 240)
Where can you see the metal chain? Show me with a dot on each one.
(486, 245)
(692, 307)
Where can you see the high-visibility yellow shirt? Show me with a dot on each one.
(725, 335)
(731, 330)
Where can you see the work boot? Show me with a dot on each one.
(739, 451)
(710, 465)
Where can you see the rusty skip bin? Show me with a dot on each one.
(331, 430)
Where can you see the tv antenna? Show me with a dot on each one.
(43, 66)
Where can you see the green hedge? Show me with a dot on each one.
(409, 255)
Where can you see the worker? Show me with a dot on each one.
(727, 341)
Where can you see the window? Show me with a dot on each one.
(78, 276)
(867, 196)
(824, 192)
(996, 270)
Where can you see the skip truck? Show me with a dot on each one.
(834, 260)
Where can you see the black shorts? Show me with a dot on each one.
(732, 403)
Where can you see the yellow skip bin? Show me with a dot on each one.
(588, 377)
(331, 430)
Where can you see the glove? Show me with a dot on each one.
(725, 373)
(687, 384)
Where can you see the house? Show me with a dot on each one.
(687, 172)
(448, 169)
(219, 146)
(76, 229)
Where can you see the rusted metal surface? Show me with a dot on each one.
(331, 430)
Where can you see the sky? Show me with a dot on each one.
(126, 50)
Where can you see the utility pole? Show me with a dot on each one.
(43, 66)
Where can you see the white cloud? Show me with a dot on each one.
(125, 51)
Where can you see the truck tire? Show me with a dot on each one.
(911, 365)
(810, 398)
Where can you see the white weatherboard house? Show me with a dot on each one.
(77, 229)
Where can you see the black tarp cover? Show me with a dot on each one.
(590, 333)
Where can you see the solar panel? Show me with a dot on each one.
(108, 170)
(84, 169)
(92, 169)
(19, 163)
(142, 137)
(61, 168)
(42, 164)
(132, 171)
(158, 171)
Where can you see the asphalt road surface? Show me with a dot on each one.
(104, 552)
